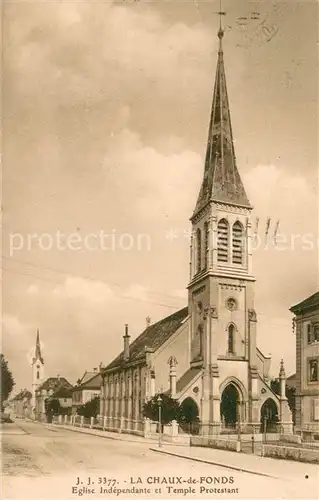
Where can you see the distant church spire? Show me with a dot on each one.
(38, 354)
(221, 180)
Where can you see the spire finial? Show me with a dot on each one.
(221, 13)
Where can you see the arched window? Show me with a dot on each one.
(206, 244)
(38, 375)
(231, 331)
(238, 242)
(222, 241)
(199, 250)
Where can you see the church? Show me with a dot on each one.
(205, 355)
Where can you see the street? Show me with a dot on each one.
(41, 462)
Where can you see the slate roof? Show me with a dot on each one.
(221, 181)
(311, 302)
(54, 383)
(186, 378)
(92, 382)
(153, 337)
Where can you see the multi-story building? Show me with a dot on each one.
(306, 321)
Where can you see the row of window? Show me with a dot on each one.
(312, 333)
(223, 244)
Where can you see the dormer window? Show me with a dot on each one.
(237, 243)
(222, 241)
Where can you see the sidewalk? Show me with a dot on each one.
(117, 436)
(242, 462)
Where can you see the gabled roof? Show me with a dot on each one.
(221, 181)
(152, 337)
(311, 302)
(93, 382)
(54, 383)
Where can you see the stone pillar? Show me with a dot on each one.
(282, 380)
(252, 333)
(129, 400)
(254, 395)
(116, 396)
(147, 427)
(215, 398)
(172, 375)
(213, 241)
(152, 384)
(285, 416)
(206, 380)
(191, 256)
(137, 394)
(174, 428)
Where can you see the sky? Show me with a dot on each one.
(106, 109)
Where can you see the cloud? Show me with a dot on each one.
(153, 180)
(131, 43)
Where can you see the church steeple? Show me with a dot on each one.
(37, 354)
(221, 181)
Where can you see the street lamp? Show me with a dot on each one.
(159, 402)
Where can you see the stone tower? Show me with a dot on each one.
(221, 287)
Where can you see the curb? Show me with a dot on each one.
(219, 464)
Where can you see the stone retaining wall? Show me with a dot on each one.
(291, 453)
(208, 442)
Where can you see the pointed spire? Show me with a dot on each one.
(282, 373)
(38, 355)
(221, 180)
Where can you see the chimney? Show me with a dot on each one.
(126, 338)
(148, 321)
(95, 370)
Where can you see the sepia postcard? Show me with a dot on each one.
(160, 292)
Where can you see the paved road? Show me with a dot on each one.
(42, 462)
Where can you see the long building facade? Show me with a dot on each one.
(206, 354)
(306, 318)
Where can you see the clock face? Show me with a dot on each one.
(231, 304)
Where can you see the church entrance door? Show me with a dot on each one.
(189, 420)
(229, 406)
(269, 416)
